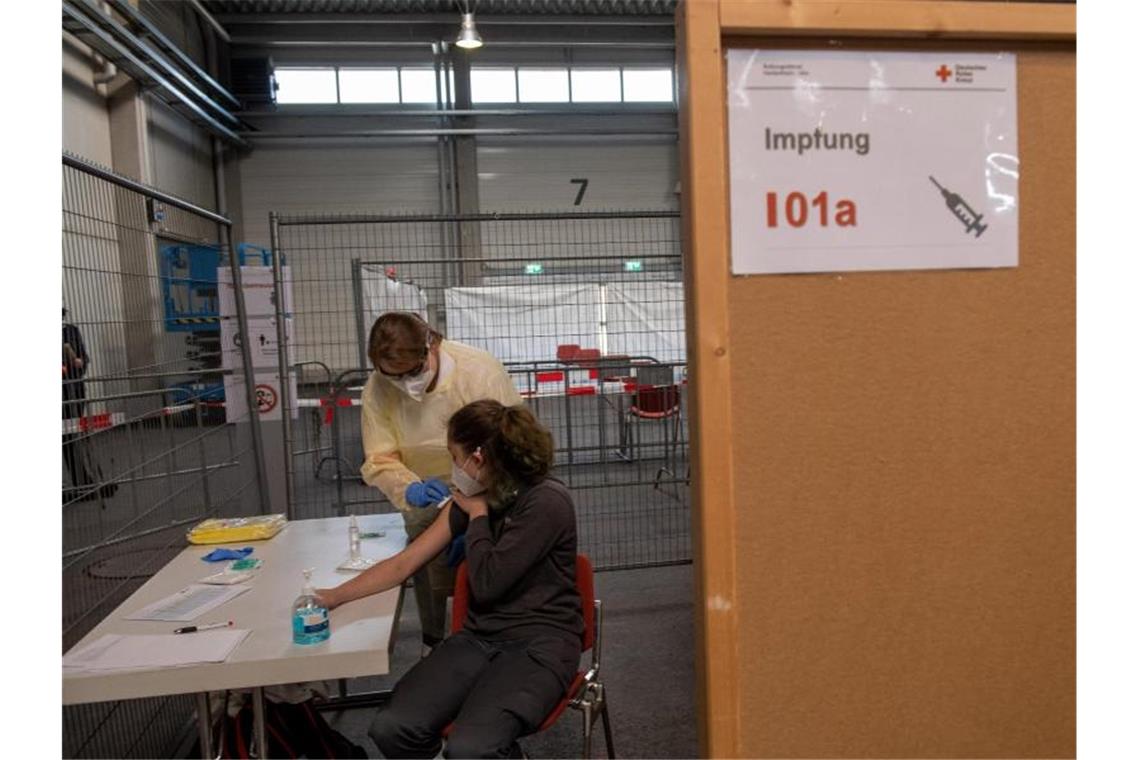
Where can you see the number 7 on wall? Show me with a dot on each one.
(581, 190)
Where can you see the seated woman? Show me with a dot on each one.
(497, 679)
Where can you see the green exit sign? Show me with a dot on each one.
(633, 266)
(534, 268)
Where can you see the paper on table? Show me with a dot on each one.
(189, 603)
(120, 652)
(79, 659)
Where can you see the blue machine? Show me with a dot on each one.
(189, 277)
(190, 283)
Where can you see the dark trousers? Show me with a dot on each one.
(494, 692)
(77, 458)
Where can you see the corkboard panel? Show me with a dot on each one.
(904, 477)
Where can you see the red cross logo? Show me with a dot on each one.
(943, 73)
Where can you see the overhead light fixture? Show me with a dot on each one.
(468, 38)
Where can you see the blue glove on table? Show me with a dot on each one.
(426, 493)
(219, 555)
(457, 550)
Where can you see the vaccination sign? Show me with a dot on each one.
(846, 161)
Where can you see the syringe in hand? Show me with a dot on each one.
(962, 210)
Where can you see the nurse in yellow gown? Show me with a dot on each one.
(421, 379)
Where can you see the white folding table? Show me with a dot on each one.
(362, 631)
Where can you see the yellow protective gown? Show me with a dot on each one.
(406, 440)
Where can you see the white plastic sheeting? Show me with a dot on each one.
(646, 319)
(518, 323)
(380, 294)
(528, 322)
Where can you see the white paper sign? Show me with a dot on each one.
(257, 285)
(846, 161)
(264, 348)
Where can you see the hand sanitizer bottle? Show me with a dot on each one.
(310, 617)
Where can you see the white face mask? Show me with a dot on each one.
(467, 485)
(417, 386)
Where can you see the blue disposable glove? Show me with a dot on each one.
(457, 551)
(426, 493)
(219, 554)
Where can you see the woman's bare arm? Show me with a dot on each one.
(394, 570)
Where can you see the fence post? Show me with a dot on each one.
(362, 329)
(283, 361)
(247, 370)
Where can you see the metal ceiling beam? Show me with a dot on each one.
(288, 19)
(271, 44)
(424, 7)
(152, 32)
(457, 132)
(341, 111)
(129, 60)
(155, 61)
(305, 31)
(205, 14)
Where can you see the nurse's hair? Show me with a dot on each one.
(517, 449)
(400, 337)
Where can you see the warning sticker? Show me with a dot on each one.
(266, 398)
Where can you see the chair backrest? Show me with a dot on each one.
(585, 581)
(654, 374)
(567, 351)
(616, 367)
(587, 357)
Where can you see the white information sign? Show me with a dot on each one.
(257, 285)
(264, 348)
(847, 160)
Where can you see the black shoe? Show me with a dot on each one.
(81, 493)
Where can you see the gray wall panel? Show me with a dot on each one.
(335, 179)
(535, 176)
(86, 125)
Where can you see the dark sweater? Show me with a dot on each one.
(521, 564)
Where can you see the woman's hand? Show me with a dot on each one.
(474, 506)
(328, 598)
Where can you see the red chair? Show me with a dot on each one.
(586, 693)
(656, 398)
(567, 352)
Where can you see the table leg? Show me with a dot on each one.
(259, 722)
(205, 726)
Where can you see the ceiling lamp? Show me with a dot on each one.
(468, 38)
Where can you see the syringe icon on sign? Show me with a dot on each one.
(962, 210)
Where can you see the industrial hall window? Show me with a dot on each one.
(396, 85)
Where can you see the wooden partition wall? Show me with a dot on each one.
(884, 462)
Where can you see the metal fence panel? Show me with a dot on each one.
(147, 449)
(586, 311)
